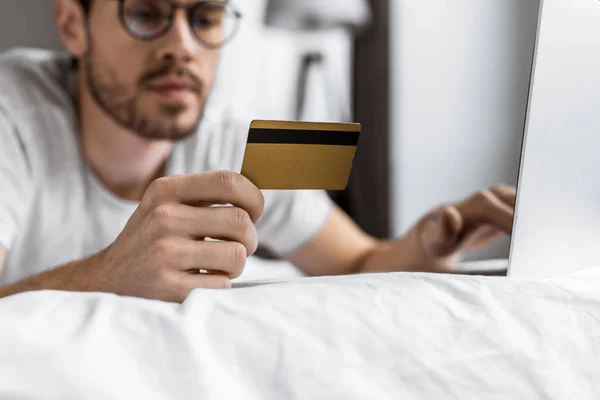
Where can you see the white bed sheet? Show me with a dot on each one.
(395, 336)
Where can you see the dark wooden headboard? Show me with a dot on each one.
(368, 196)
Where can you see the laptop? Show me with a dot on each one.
(557, 221)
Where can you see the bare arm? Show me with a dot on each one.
(342, 248)
(432, 246)
(159, 255)
(75, 277)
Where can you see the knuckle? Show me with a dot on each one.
(240, 219)
(165, 278)
(443, 212)
(242, 223)
(163, 212)
(504, 191)
(499, 189)
(485, 196)
(229, 180)
(160, 186)
(159, 220)
(238, 256)
(163, 248)
(159, 189)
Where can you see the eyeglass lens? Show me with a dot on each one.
(213, 22)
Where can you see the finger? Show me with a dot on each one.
(187, 283)
(453, 221)
(481, 237)
(486, 208)
(223, 258)
(506, 194)
(222, 223)
(441, 231)
(229, 224)
(212, 188)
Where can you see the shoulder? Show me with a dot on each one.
(30, 78)
(36, 109)
(222, 135)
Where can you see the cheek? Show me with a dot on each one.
(123, 61)
(132, 60)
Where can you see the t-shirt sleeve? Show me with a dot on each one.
(14, 181)
(292, 219)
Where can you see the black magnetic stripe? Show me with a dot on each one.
(291, 136)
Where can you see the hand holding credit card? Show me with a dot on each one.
(286, 155)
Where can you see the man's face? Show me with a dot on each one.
(156, 88)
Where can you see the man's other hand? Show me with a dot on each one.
(469, 225)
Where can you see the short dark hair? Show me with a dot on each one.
(86, 5)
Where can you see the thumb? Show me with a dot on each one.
(441, 231)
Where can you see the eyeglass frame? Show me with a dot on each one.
(189, 9)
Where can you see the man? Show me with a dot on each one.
(113, 172)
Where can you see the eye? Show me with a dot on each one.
(209, 16)
(146, 14)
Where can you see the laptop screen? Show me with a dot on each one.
(557, 222)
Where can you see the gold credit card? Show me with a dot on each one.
(285, 155)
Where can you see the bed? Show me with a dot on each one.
(392, 336)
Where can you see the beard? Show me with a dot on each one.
(124, 105)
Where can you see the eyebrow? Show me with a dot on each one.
(193, 3)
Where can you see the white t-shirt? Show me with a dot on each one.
(54, 210)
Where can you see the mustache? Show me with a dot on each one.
(171, 69)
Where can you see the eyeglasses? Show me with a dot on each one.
(213, 22)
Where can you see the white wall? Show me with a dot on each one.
(27, 23)
(260, 67)
(460, 73)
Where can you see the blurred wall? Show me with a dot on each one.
(27, 23)
(260, 68)
(460, 73)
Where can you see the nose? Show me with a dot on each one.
(179, 45)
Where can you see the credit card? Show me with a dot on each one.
(288, 155)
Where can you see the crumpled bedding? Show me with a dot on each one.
(393, 336)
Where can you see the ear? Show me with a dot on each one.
(71, 23)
